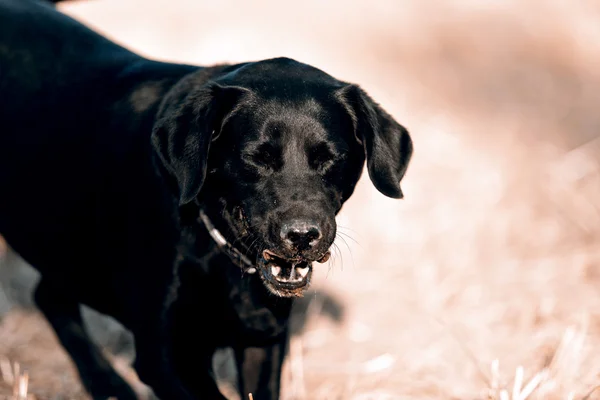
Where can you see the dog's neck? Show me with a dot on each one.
(236, 256)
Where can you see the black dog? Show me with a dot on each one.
(188, 203)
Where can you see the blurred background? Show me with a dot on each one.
(484, 282)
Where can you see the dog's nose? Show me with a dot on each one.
(300, 234)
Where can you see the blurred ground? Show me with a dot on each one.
(493, 254)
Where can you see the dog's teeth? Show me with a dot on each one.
(303, 271)
(275, 270)
(292, 274)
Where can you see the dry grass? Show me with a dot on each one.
(15, 380)
(484, 283)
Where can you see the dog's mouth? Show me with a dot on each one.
(286, 277)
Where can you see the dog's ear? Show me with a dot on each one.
(189, 119)
(387, 144)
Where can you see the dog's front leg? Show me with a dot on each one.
(196, 372)
(166, 358)
(154, 362)
(154, 366)
(259, 370)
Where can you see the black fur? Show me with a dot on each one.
(106, 159)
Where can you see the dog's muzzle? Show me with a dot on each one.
(282, 276)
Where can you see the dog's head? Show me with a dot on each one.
(273, 149)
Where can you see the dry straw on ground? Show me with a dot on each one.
(15, 380)
(484, 282)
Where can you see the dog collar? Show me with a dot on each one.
(236, 256)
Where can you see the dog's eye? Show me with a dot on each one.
(320, 157)
(264, 157)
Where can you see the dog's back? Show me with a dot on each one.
(46, 56)
(59, 146)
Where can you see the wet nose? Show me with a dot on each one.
(300, 234)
